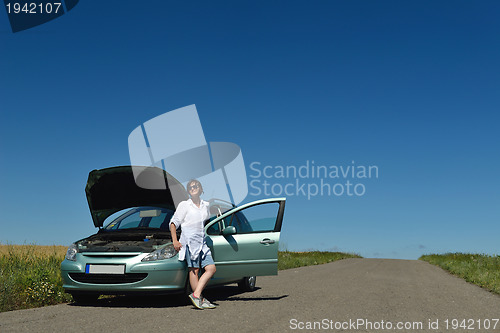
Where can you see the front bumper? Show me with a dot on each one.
(161, 276)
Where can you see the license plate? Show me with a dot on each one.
(105, 269)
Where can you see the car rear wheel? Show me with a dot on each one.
(85, 298)
(247, 283)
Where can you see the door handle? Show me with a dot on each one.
(267, 241)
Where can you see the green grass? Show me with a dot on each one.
(30, 277)
(482, 270)
(287, 259)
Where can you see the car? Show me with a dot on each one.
(132, 252)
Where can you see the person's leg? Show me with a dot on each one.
(193, 277)
(203, 280)
(193, 269)
(193, 281)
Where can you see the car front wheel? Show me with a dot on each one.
(247, 283)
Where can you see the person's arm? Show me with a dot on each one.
(175, 222)
(173, 233)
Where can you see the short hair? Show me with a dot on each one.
(196, 181)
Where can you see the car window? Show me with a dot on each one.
(144, 217)
(157, 221)
(216, 210)
(214, 229)
(131, 221)
(239, 221)
(257, 218)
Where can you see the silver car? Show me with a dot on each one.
(132, 251)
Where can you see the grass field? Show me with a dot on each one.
(30, 276)
(482, 270)
(287, 259)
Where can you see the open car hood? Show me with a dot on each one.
(113, 189)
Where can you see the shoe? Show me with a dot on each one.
(205, 303)
(196, 301)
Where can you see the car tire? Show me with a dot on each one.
(247, 283)
(85, 298)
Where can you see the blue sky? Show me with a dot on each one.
(412, 88)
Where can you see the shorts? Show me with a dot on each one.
(199, 261)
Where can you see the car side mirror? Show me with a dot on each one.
(230, 230)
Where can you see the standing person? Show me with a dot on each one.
(190, 215)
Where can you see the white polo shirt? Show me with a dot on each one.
(191, 219)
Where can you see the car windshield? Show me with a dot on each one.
(142, 217)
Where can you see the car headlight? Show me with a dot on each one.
(159, 254)
(71, 253)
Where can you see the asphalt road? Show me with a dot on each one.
(352, 295)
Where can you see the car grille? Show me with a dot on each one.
(108, 278)
(109, 255)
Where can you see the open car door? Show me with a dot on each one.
(244, 240)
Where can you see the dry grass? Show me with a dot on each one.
(38, 250)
